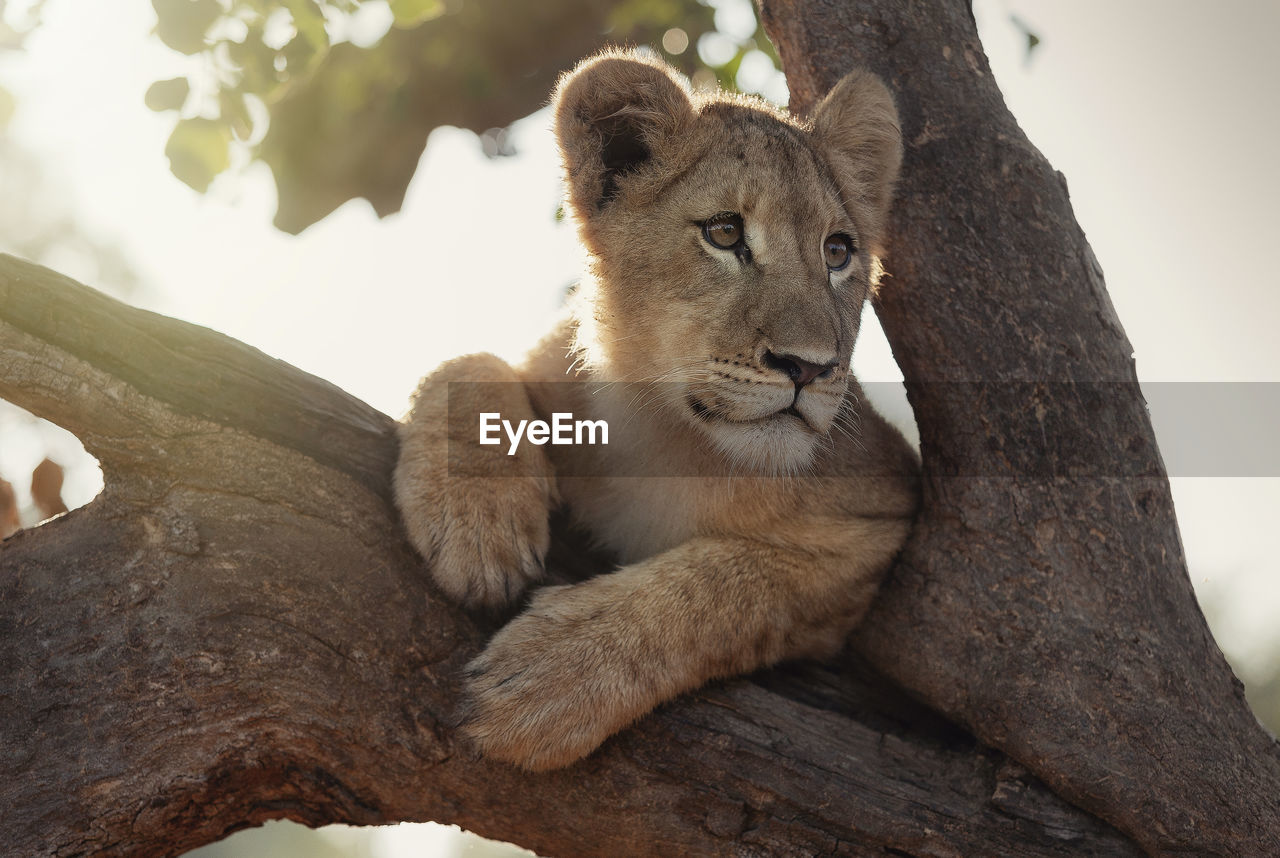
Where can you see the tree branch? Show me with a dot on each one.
(221, 379)
(236, 631)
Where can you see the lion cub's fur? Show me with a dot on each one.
(780, 506)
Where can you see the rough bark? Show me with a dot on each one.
(236, 631)
(1046, 579)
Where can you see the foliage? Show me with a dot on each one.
(16, 26)
(35, 221)
(338, 96)
(14, 29)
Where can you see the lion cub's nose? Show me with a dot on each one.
(799, 370)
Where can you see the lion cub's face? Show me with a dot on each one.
(731, 249)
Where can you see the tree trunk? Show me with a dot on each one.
(236, 631)
(1045, 580)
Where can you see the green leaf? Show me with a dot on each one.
(168, 94)
(182, 24)
(411, 13)
(235, 113)
(309, 22)
(198, 150)
(1033, 39)
(254, 61)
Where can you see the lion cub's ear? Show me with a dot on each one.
(614, 113)
(856, 126)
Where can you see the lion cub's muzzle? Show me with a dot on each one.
(796, 368)
(773, 387)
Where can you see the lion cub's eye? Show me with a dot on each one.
(723, 231)
(838, 249)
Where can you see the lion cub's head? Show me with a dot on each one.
(730, 245)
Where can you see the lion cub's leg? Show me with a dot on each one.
(586, 660)
(479, 520)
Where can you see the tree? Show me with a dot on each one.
(340, 120)
(235, 630)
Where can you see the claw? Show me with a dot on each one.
(461, 716)
(516, 675)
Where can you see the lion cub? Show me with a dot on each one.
(752, 496)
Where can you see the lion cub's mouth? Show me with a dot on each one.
(708, 414)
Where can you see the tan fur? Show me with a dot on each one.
(766, 530)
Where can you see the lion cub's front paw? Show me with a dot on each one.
(549, 688)
(477, 516)
(487, 539)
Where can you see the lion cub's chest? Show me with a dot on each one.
(640, 517)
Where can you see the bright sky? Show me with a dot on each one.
(1162, 116)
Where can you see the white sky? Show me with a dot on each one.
(1162, 115)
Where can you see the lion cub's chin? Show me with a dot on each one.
(778, 445)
